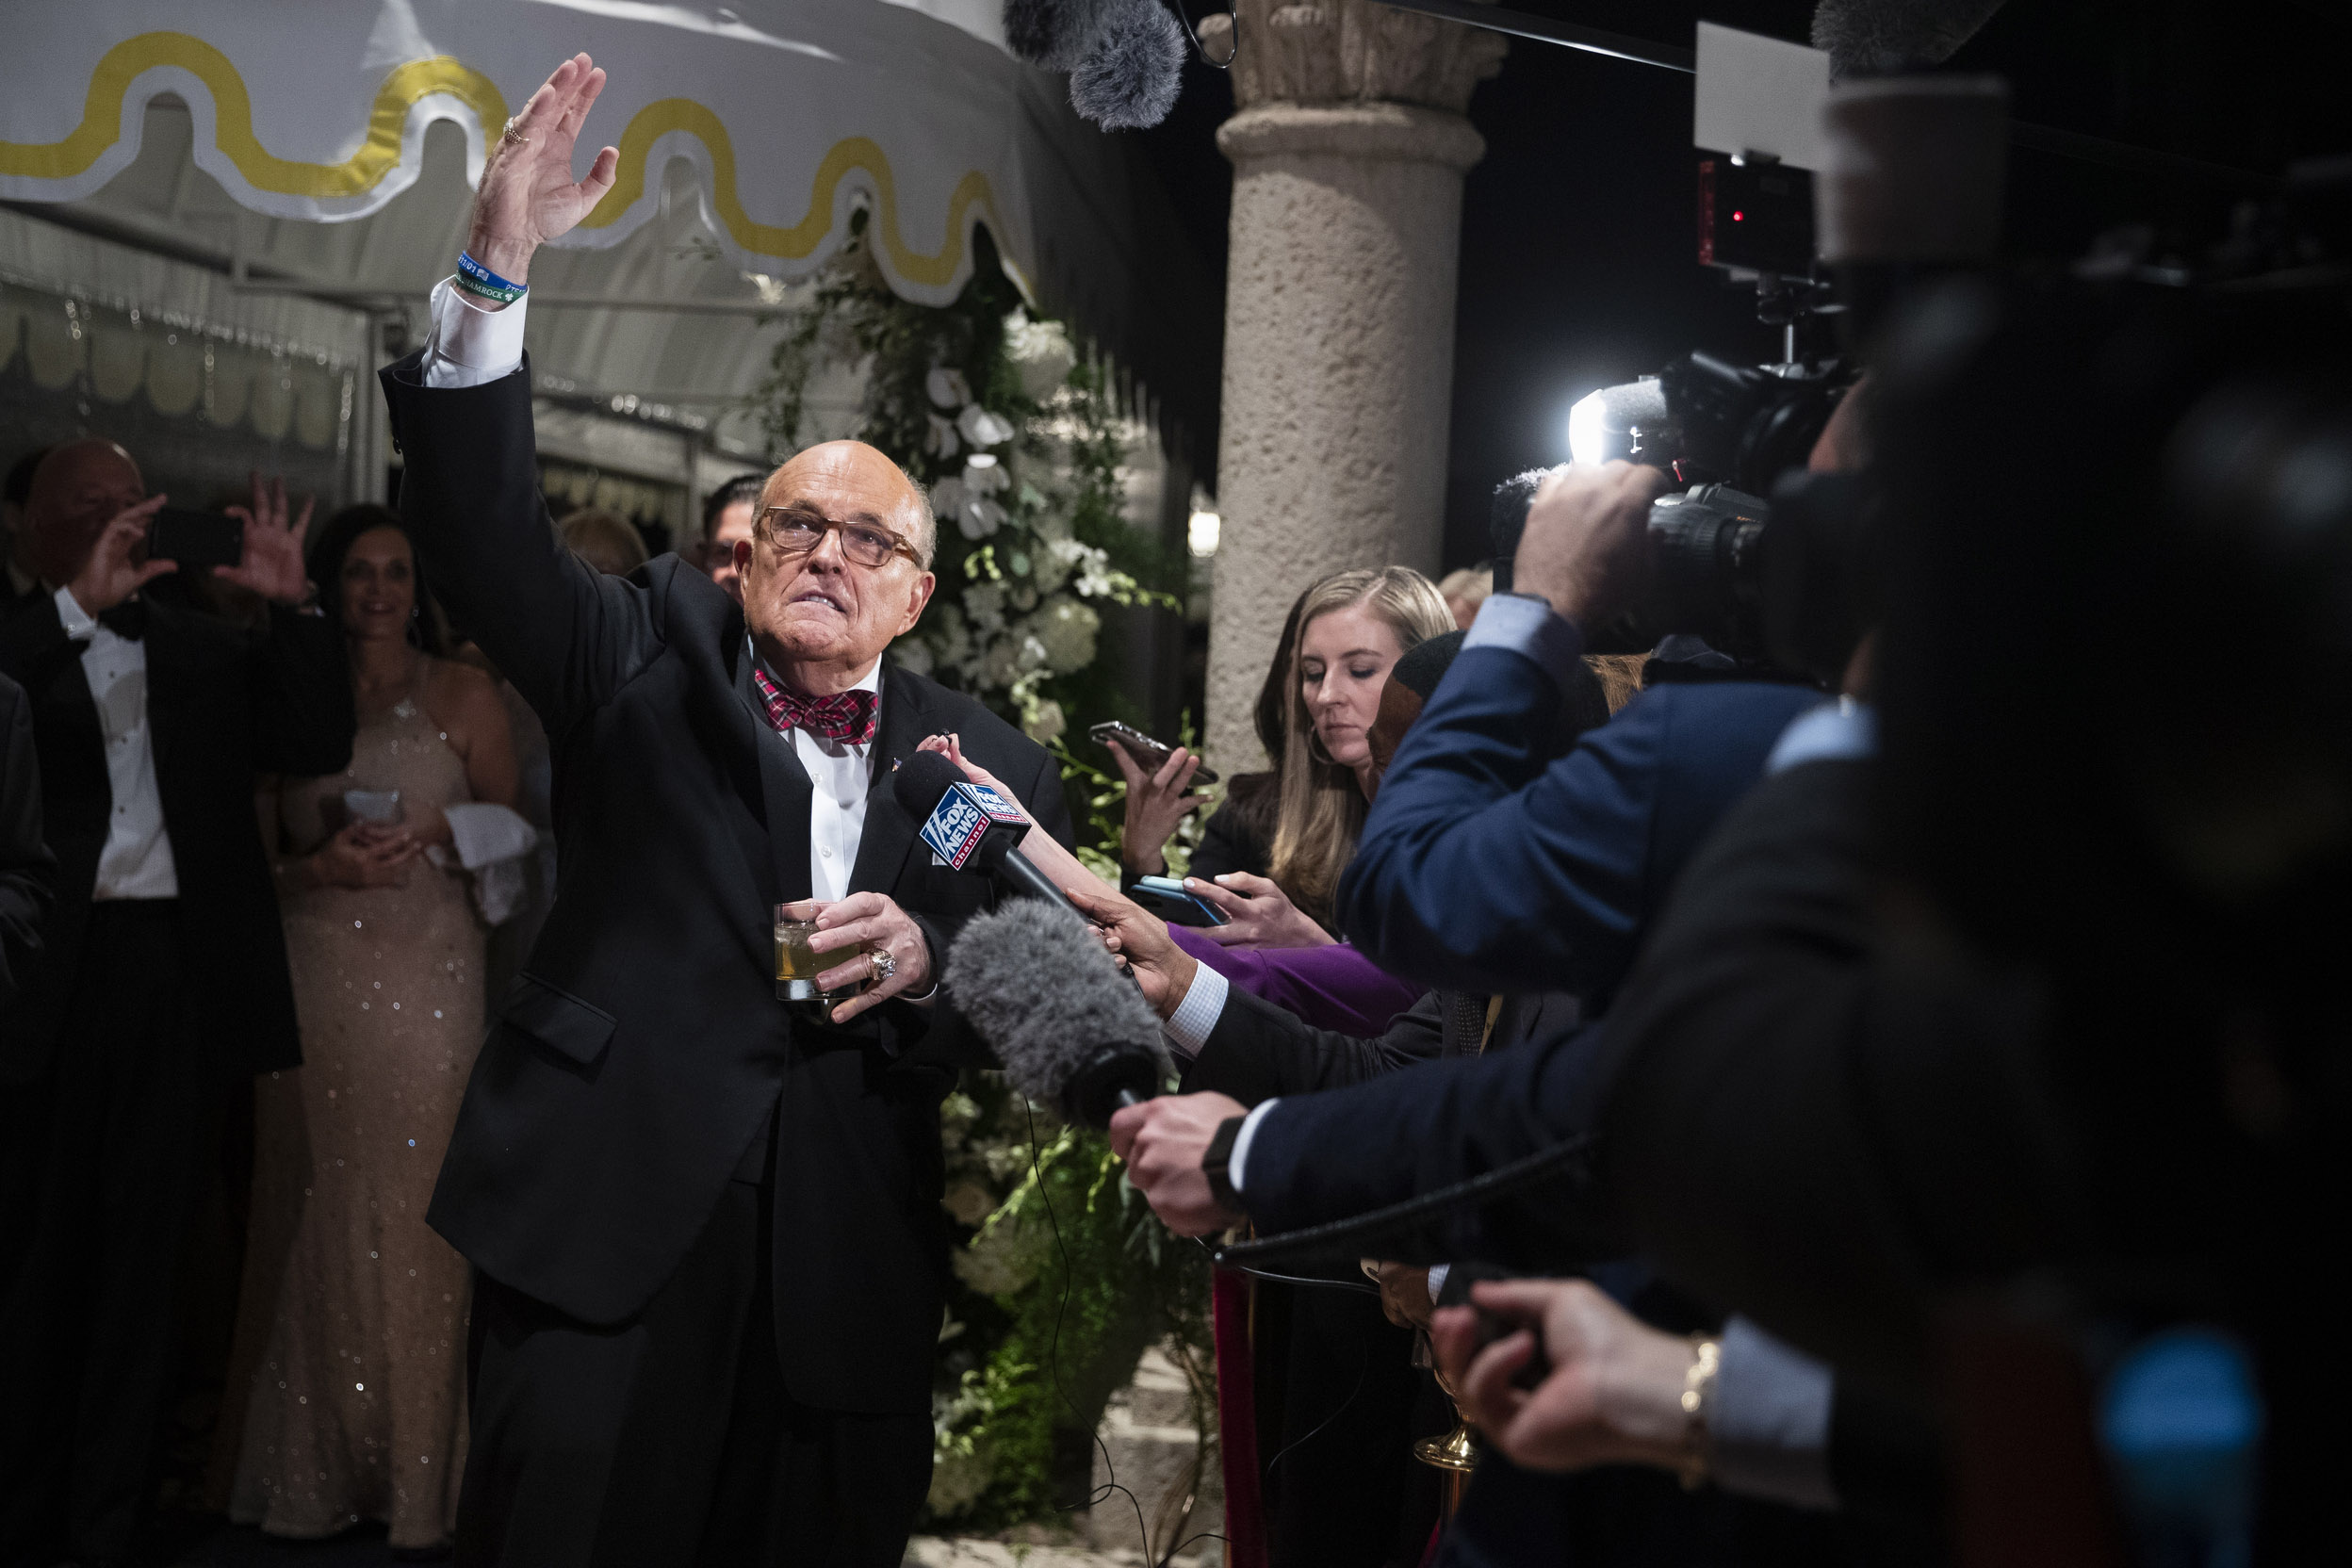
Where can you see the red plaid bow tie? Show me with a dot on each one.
(843, 716)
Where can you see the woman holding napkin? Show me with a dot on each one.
(350, 1351)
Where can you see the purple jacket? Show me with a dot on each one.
(1330, 987)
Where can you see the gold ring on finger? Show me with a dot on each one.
(508, 138)
(884, 965)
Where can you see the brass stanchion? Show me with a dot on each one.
(1455, 1454)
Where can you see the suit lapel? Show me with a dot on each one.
(784, 790)
(888, 832)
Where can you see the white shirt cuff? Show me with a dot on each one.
(1768, 1424)
(1242, 1139)
(1187, 1028)
(79, 624)
(1527, 626)
(1437, 1271)
(470, 344)
(1844, 730)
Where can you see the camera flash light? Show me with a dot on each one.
(1588, 437)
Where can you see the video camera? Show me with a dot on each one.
(1757, 557)
(1767, 562)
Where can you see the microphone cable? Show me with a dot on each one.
(1359, 1284)
(1531, 1170)
(1095, 1496)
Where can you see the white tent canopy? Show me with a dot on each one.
(325, 149)
(319, 111)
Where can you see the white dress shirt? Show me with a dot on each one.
(842, 771)
(137, 860)
(469, 346)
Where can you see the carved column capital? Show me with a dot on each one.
(1349, 51)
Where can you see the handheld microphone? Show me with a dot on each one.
(1070, 1029)
(969, 825)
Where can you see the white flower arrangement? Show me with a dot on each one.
(1011, 496)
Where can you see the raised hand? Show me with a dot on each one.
(1157, 803)
(273, 563)
(528, 195)
(109, 576)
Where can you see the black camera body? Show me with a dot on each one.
(1763, 560)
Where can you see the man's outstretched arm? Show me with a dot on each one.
(461, 412)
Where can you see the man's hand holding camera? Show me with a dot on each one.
(116, 567)
(1586, 547)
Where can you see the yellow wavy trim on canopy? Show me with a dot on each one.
(658, 119)
(233, 119)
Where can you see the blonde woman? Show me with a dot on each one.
(1352, 627)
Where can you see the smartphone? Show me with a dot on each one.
(195, 538)
(1151, 754)
(380, 807)
(1165, 896)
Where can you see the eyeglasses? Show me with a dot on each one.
(795, 531)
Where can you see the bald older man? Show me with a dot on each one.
(709, 1252)
(162, 981)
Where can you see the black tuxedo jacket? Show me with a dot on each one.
(223, 705)
(1258, 1050)
(643, 1048)
(28, 872)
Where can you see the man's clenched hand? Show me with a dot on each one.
(1162, 1141)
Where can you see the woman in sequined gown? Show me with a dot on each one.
(352, 1324)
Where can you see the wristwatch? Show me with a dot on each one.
(1214, 1161)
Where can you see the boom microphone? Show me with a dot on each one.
(1132, 67)
(1070, 1029)
(969, 825)
(1878, 37)
(1125, 57)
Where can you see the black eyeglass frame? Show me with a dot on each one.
(768, 531)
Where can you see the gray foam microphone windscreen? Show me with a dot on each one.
(1034, 981)
(1132, 69)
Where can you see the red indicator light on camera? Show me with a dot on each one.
(1739, 217)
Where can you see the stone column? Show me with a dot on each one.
(1349, 147)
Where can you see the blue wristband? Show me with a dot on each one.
(473, 277)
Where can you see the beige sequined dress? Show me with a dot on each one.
(352, 1316)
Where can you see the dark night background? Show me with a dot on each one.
(1577, 243)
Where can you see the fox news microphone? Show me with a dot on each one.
(971, 826)
(1072, 1030)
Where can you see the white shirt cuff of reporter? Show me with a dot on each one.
(471, 345)
(1187, 1028)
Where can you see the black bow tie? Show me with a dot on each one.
(126, 620)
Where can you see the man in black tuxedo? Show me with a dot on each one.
(163, 976)
(28, 872)
(709, 1250)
